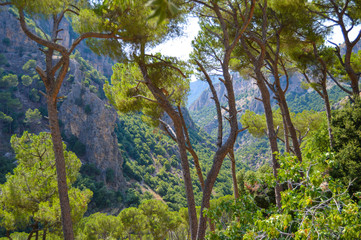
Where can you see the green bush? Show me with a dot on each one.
(34, 96)
(87, 109)
(79, 148)
(6, 41)
(110, 175)
(3, 60)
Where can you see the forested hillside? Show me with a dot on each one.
(101, 138)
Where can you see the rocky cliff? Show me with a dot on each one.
(92, 121)
(246, 91)
(83, 113)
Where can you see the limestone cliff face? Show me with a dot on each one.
(245, 90)
(94, 128)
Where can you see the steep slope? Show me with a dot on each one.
(83, 113)
(252, 152)
(124, 160)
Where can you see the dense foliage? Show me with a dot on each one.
(312, 188)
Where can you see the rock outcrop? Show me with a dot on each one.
(91, 120)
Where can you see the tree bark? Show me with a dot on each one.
(328, 114)
(291, 128)
(234, 177)
(222, 151)
(60, 169)
(186, 178)
(272, 136)
(176, 118)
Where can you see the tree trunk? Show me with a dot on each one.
(60, 169)
(211, 178)
(354, 77)
(285, 131)
(186, 178)
(178, 126)
(272, 137)
(44, 234)
(234, 177)
(286, 115)
(328, 113)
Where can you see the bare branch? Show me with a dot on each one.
(38, 39)
(216, 101)
(338, 84)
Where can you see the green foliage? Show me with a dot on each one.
(29, 67)
(34, 96)
(6, 41)
(303, 122)
(87, 109)
(8, 103)
(346, 125)
(133, 221)
(301, 101)
(33, 116)
(70, 78)
(30, 193)
(162, 9)
(10, 80)
(26, 80)
(3, 60)
(6, 166)
(132, 197)
(317, 206)
(79, 148)
(158, 219)
(5, 118)
(102, 196)
(100, 226)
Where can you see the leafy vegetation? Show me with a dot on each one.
(312, 188)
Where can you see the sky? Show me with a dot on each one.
(182, 47)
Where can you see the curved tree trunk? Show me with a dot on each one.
(220, 153)
(181, 141)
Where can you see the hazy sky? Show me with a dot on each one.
(181, 47)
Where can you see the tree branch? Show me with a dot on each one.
(38, 39)
(216, 101)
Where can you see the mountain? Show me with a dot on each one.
(251, 152)
(124, 160)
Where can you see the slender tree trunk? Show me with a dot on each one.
(211, 178)
(44, 233)
(60, 169)
(176, 118)
(186, 178)
(354, 77)
(220, 153)
(234, 177)
(291, 128)
(287, 143)
(328, 114)
(272, 137)
(285, 131)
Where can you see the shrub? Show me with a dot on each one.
(87, 109)
(79, 148)
(6, 41)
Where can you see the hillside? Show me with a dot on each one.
(124, 160)
(252, 152)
